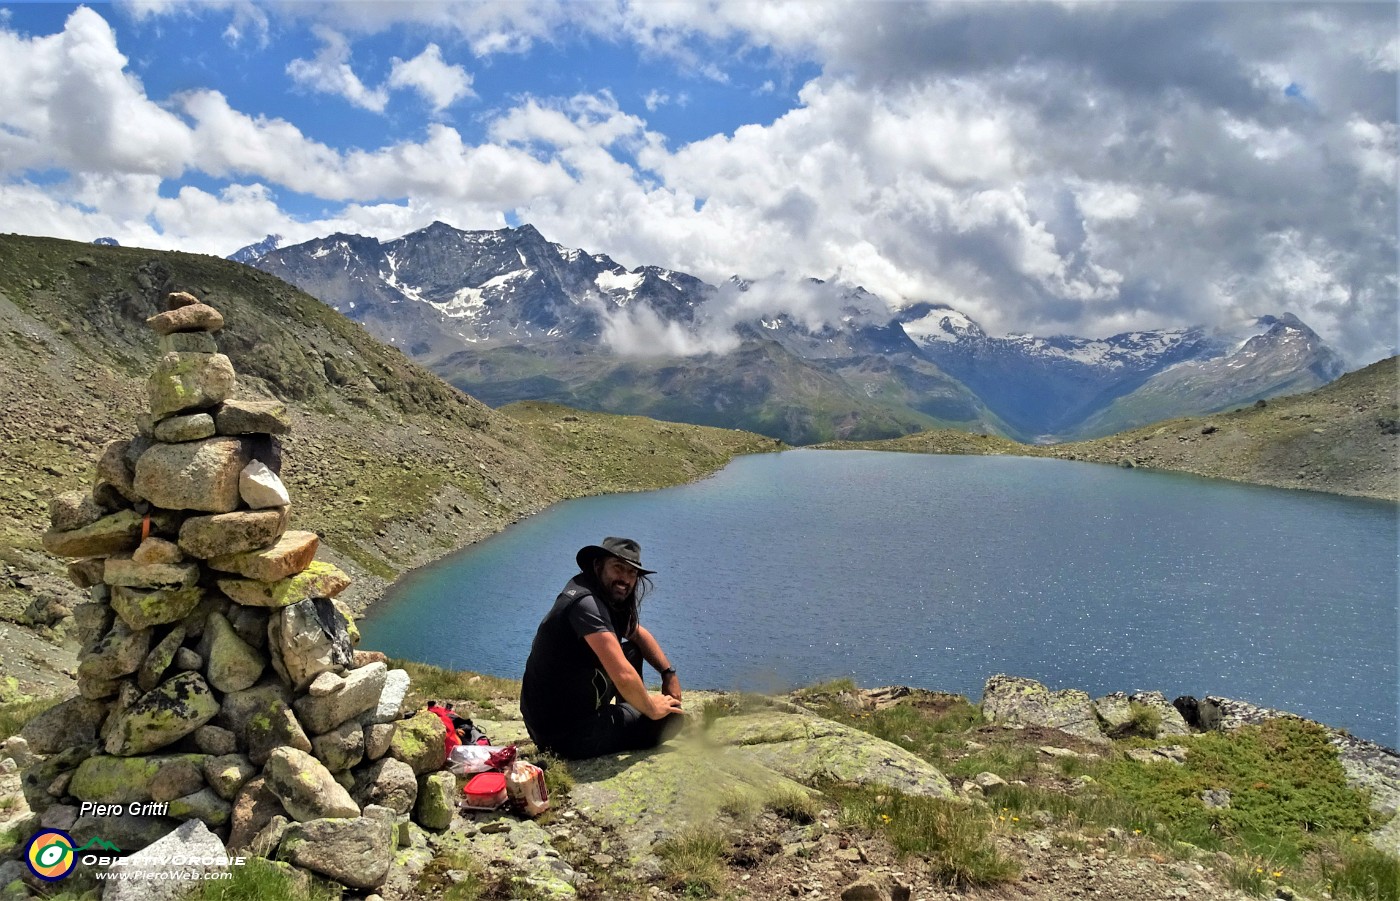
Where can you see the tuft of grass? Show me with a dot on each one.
(794, 804)
(263, 880)
(557, 778)
(15, 714)
(740, 804)
(1362, 872)
(693, 861)
(952, 838)
(457, 875)
(1008, 761)
(844, 685)
(1143, 720)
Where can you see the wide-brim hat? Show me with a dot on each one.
(625, 549)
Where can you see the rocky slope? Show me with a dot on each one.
(1342, 438)
(394, 467)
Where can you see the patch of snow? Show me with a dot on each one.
(941, 325)
(623, 282)
(771, 324)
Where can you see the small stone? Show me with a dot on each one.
(187, 660)
(181, 776)
(158, 661)
(990, 783)
(177, 299)
(156, 551)
(195, 317)
(261, 488)
(263, 720)
(327, 683)
(253, 808)
(86, 573)
(1216, 798)
(390, 783)
(341, 748)
(215, 740)
(204, 805)
(377, 738)
(252, 417)
(226, 534)
(73, 510)
(114, 468)
(186, 427)
(360, 692)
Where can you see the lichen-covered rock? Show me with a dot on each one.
(159, 660)
(227, 774)
(87, 573)
(261, 488)
(118, 653)
(1017, 701)
(355, 852)
(287, 556)
(204, 805)
(188, 381)
(165, 714)
(121, 780)
(341, 748)
(305, 787)
(189, 427)
(359, 693)
(318, 580)
(420, 742)
(114, 468)
(73, 722)
(233, 664)
(226, 534)
(141, 609)
(1115, 711)
(188, 343)
(73, 510)
(250, 623)
(436, 801)
(389, 783)
(191, 317)
(263, 720)
(114, 534)
(253, 417)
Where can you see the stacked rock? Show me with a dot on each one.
(218, 679)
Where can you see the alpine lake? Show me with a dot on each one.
(938, 571)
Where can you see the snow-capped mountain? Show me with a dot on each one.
(252, 252)
(508, 315)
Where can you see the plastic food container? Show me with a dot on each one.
(485, 791)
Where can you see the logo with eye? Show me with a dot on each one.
(50, 855)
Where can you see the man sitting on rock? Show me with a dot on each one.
(589, 651)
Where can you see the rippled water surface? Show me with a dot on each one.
(939, 571)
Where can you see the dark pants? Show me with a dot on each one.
(615, 726)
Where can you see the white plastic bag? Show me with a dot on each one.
(468, 759)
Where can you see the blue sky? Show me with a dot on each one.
(1082, 168)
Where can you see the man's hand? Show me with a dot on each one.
(663, 705)
(671, 685)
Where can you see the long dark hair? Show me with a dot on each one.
(629, 608)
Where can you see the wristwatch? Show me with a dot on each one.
(669, 671)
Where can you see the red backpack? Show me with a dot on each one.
(445, 715)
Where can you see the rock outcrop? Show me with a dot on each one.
(207, 623)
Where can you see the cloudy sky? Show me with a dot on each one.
(1084, 168)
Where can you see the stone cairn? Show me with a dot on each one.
(218, 680)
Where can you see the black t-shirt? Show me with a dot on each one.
(564, 681)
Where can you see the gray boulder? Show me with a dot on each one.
(341, 748)
(1017, 701)
(161, 879)
(228, 774)
(163, 715)
(118, 653)
(305, 787)
(388, 783)
(233, 664)
(361, 691)
(188, 381)
(225, 534)
(437, 796)
(141, 609)
(71, 723)
(354, 852)
(197, 475)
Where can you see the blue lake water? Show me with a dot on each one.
(938, 571)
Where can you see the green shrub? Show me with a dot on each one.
(1362, 872)
(794, 804)
(261, 880)
(1143, 720)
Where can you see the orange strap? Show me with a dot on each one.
(145, 527)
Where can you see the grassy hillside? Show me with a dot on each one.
(1342, 438)
(391, 465)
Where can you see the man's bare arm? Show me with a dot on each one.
(651, 651)
(630, 685)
